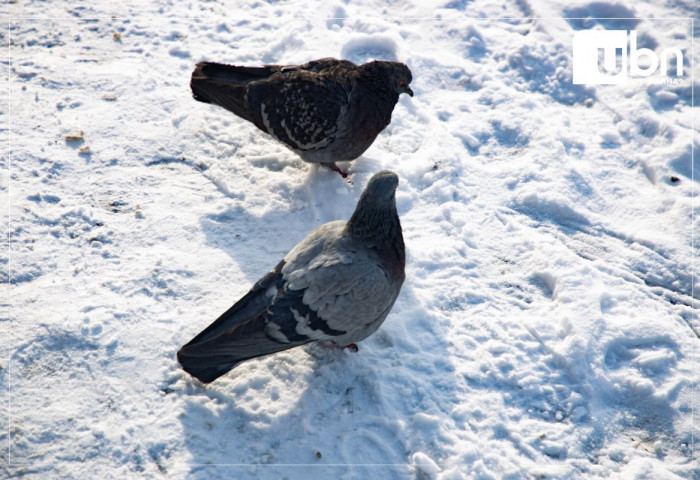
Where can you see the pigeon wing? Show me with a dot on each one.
(338, 293)
(323, 65)
(248, 307)
(298, 108)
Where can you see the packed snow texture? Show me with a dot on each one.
(547, 327)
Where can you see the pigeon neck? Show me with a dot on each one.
(378, 227)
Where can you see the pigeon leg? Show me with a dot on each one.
(350, 346)
(336, 168)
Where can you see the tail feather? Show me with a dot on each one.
(206, 368)
(237, 335)
(209, 359)
(206, 373)
(234, 74)
(225, 85)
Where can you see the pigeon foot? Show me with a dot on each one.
(350, 346)
(336, 168)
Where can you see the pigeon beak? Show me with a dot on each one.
(409, 91)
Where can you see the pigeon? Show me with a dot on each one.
(326, 110)
(337, 285)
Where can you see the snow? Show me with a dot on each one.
(547, 328)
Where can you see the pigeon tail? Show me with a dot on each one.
(202, 368)
(225, 85)
(207, 360)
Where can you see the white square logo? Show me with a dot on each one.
(588, 47)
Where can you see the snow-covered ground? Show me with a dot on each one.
(547, 327)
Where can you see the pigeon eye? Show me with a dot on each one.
(402, 82)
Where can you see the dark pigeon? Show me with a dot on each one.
(326, 110)
(338, 284)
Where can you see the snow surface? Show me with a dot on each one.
(547, 327)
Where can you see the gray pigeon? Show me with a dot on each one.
(338, 284)
(325, 110)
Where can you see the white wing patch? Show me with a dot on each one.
(273, 331)
(303, 328)
(266, 119)
(272, 291)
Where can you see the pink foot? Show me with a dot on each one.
(336, 168)
(350, 346)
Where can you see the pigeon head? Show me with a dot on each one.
(401, 78)
(395, 75)
(381, 188)
(375, 219)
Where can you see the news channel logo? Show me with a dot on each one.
(602, 57)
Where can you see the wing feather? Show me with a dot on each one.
(298, 108)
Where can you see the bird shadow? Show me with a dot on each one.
(256, 240)
(325, 412)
